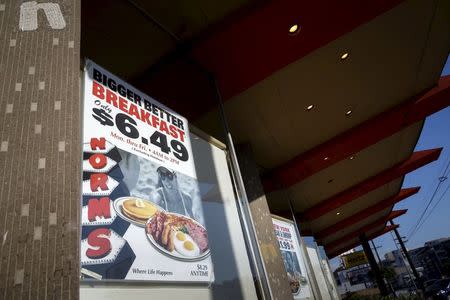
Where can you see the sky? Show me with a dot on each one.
(435, 134)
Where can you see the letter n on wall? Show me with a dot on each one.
(29, 15)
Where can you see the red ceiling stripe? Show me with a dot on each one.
(360, 137)
(251, 48)
(351, 246)
(416, 160)
(336, 243)
(358, 217)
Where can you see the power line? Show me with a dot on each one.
(445, 173)
(443, 165)
(412, 231)
(441, 180)
(442, 196)
(432, 209)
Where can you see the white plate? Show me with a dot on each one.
(118, 208)
(174, 253)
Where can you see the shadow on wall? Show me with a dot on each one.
(221, 225)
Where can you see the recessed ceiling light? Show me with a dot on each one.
(348, 112)
(352, 157)
(344, 56)
(294, 29)
(309, 107)
(326, 158)
(338, 213)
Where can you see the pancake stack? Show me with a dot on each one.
(138, 210)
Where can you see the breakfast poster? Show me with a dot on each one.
(141, 211)
(293, 260)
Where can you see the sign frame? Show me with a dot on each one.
(88, 275)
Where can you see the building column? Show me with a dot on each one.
(40, 150)
(373, 265)
(262, 221)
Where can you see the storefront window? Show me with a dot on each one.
(159, 214)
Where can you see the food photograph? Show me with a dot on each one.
(167, 205)
(178, 236)
(293, 271)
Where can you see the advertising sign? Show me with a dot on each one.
(293, 258)
(354, 259)
(141, 214)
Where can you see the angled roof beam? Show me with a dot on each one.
(335, 253)
(359, 216)
(415, 161)
(360, 137)
(336, 243)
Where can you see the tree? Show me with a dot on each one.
(388, 273)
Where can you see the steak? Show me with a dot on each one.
(199, 235)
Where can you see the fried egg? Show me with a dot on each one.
(185, 245)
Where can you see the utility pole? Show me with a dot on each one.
(388, 283)
(373, 265)
(376, 252)
(408, 258)
(403, 260)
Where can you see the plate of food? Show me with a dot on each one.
(177, 236)
(136, 210)
(295, 286)
(296, 282)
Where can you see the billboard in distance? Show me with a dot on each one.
(354, 259)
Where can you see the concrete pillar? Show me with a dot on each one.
(39, 149)
(268, 243)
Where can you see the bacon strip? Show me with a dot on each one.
(164, 226)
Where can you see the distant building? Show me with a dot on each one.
(399, 264)
(436, 242)
(415, 255)
(433, 259)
